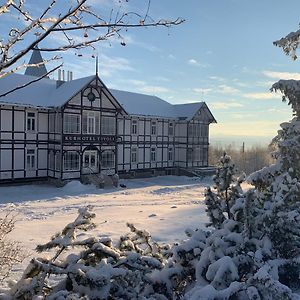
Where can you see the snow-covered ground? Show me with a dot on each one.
(165, 206)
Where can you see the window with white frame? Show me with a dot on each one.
(30, 160)
(170, 154)
(153, 154)
(108, 159)
(108, 125)
(31, 121)
(134, 155)
(171, 128)
(153, 127)
(71, 123)
(71, 161)
(190, 154)
(134, 127)
(90, 122)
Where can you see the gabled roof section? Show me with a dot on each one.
(204, 114)
(187, 110)
(145, 105)
(40, 93)
(37, 71)
(69, 89)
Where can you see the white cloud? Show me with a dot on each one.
(194, 62)
(261, 96)
(144, 87)
(226, 89)
(136, 82)
(218, 78)
(202, 91)
(225, 105)
(153, 89)
(282, 75)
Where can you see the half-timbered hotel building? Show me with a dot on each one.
(64, 129)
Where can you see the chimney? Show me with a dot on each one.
(61, 77)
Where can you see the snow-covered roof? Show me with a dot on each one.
(40, 93)
(46, 93)
(146, 105)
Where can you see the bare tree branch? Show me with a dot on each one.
(33, 32)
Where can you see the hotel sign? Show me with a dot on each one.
(105, 139)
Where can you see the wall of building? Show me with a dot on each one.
(168, 146)
(16, 139)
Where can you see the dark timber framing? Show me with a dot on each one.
(51, 143)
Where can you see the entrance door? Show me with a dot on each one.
(90, 162)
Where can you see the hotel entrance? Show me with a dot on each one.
(90, 162)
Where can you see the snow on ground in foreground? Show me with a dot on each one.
(165, 206)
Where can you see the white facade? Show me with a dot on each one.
(67, 129)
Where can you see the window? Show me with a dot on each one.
(197, 154)
(31, 121)
(91, 123)
(153, 154)
(191, 130)
(153, 127)
(108, 125)
(30, 160)
(170, 154)
(171, 128)
(189, 154)
(134, 127)
(71, 123)
(108, 159)
(204, 130)
(71, 161)
(134, 155)
(52, 122)
(51, 160)
(57, 161)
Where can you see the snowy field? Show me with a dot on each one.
(165, 206)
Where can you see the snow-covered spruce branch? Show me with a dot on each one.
(289, 44)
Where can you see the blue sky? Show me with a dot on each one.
(223, 54)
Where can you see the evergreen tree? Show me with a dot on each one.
(228, 189)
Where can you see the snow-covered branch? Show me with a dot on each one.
(88, 26)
